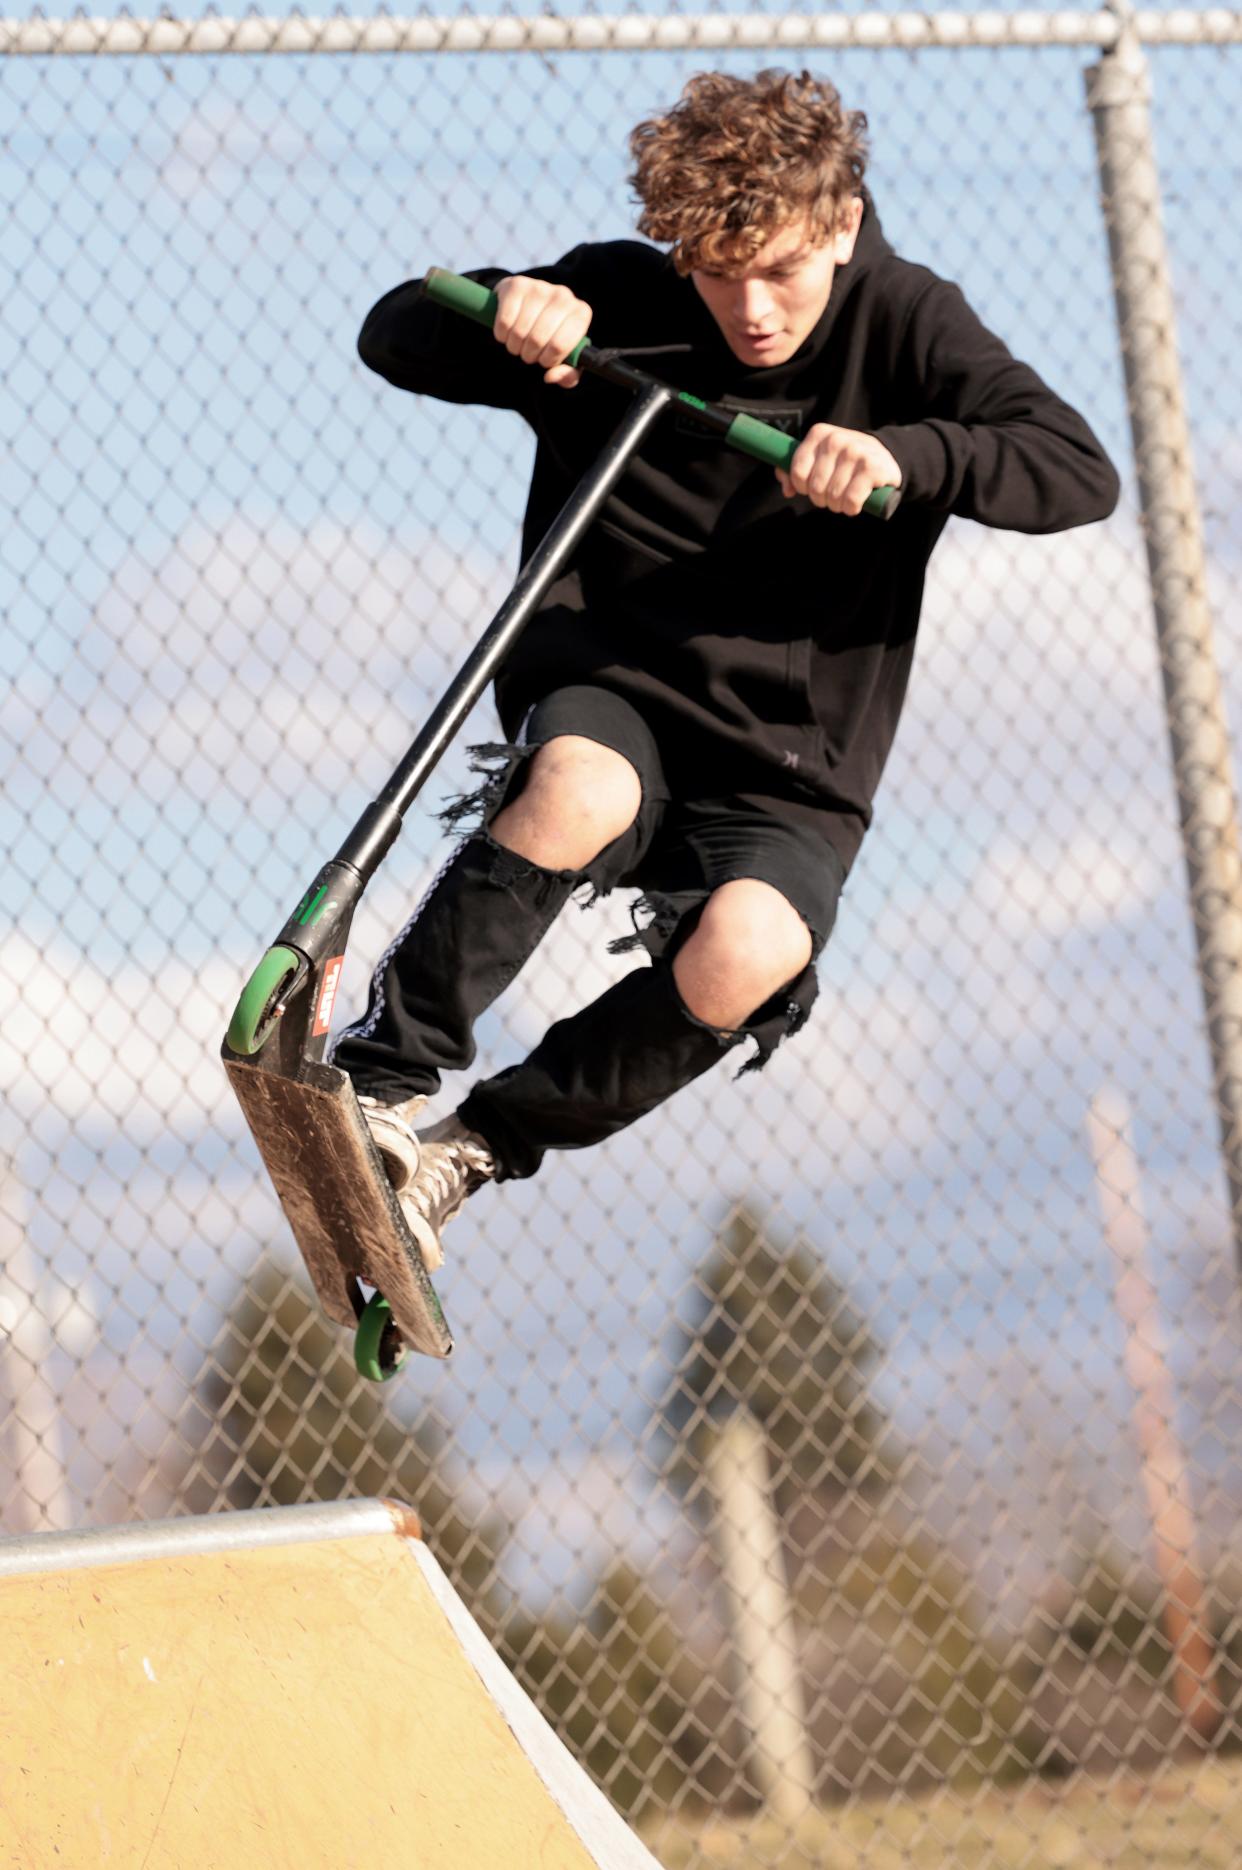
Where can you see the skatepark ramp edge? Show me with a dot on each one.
(294, 1685)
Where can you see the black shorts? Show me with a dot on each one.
(684, 848)
(679, 849)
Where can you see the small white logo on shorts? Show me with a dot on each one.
(789, 759)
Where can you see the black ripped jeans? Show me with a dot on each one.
(600, 1068)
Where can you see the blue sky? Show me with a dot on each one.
(237, 566)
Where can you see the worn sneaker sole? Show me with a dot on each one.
(426, 1238)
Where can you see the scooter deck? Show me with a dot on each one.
(345, 1218)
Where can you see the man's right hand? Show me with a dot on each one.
(541, 323)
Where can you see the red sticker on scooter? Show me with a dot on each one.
(327, 995)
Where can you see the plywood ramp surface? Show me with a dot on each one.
(321, 1702)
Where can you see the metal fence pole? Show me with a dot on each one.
(32, 1458)
(1119, 97)
(1162, 1458)
(764, 1637)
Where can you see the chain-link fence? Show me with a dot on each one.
(848, 1455)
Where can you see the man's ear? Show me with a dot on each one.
(847, 230)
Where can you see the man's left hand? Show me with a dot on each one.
(838, 468)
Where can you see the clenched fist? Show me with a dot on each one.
(838, 468)
(541, 324)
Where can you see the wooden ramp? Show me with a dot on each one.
(299, 1687)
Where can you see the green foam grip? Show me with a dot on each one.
(760, 439)
(461, 295)
(458, 294)
(772, 445)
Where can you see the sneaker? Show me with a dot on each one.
(453, 1162)
(392, 1132)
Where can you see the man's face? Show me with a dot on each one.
(767, 311)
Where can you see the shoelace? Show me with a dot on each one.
(447, 1174)
(435, 1180)
(477, 1157)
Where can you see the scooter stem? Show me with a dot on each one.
(378, 826)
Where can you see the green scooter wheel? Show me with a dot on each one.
(254, 1016)
(378, 1348)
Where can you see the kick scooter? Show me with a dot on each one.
(302, 1112)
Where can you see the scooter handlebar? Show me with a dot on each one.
(467, 296)
(746, 433)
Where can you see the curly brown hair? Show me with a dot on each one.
(739, 159)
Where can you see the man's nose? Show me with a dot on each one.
(754, 302)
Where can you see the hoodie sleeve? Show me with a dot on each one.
(992, 442)
(418, 345)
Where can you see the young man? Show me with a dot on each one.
(703, 706)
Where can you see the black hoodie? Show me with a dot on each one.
(766, 641)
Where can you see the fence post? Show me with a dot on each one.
(753, 1563)
(1119, 97)
(28, 1393)
(1166, 1481)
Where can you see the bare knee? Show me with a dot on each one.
(749, 943)
(577, 797)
